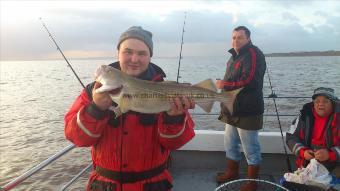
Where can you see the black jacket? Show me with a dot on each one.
(246, 70)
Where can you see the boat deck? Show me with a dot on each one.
(196, 170)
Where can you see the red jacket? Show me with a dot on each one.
(133, 142)
(305, 136)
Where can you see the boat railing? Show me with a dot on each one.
(15, 182)
(18, 180)
(75, 178)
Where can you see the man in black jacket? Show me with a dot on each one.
(245, 69)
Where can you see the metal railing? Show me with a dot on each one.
(75, 177)
(271, 115)
(37, 168)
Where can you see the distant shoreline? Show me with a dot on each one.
(289, 54)
(301, 54)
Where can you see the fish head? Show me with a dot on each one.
(110, 79)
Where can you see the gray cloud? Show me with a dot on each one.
(290, 17)
(207, 32)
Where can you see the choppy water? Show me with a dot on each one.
(35, 95)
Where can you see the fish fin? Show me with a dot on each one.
(229, 99)
(206, 106)
(207, 84)
(124, 109)
(122, 103)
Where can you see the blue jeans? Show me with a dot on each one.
(233, 139)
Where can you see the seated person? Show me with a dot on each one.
(316, 132)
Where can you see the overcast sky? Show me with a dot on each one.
(92, 28)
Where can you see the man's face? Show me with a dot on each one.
(323, 106)
(239, 39)
(134, 57)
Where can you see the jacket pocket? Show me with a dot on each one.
(163, 185)
(98, 185)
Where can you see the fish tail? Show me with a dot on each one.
(206, 106)
(229, 99)
(207, 84)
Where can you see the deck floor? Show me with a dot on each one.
(204, 179)
(196, 171)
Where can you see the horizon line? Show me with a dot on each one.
(156, 57)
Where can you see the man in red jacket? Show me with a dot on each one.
(129, 152)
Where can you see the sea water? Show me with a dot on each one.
(35, 95)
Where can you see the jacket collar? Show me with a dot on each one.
(243, 50)
(307, 110)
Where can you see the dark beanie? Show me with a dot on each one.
(139, 33)
(327, 92)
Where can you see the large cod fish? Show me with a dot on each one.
(143, 96)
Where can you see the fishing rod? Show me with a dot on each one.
(180, 53)
(58, 48)
(273, 95)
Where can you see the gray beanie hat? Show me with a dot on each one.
(139, 33)
(327, 92)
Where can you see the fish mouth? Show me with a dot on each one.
(115, 91)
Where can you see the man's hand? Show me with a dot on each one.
(321, 155)
(308, 154)
(179, 105)
(102, 100)
(219, 84)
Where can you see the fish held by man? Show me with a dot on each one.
(130, 93)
